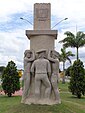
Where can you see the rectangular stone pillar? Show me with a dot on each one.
(42, 37)
(42, 16)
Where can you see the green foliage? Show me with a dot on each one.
(1, 68)
(67, 72)
(75, 41)
(77, 81)
(63, 57)
(10, 79)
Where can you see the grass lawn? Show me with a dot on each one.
(70, 104)
(0, 87)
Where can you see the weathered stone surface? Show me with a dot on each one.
(41, 39)
(41, 65)
(52, 56)
(29, 57)
(42, 16)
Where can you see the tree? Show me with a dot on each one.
(1, 68)
(63, 57)
(74, 41)
(10, 79)
(77, 81)
(67, 72)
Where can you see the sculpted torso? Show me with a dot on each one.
(54, 62)
(40, 65)
(27, 64)
(55, 66)
(28, 61)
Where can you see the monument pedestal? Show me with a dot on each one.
(41, 39)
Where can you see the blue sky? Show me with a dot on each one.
(13, 41)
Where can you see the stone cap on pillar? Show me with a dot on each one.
(31, 33)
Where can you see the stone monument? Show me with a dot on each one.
(41, 64)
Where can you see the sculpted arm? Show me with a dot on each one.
(31, 58)
(33, 68)
(50, 58)
(49, 68)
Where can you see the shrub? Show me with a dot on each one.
(67, 72)
(77, 81)
(10, 79)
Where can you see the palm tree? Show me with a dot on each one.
(72, 40)
(63, 57)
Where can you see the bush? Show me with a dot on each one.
(10, 79)
(67, 72)
(77, 81)
(1, 68)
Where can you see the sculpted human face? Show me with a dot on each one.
(28, 55)
(53, 55)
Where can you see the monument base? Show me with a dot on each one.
(44, 101)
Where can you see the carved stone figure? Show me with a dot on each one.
(42, 70)
(29, 56)
(52, 56)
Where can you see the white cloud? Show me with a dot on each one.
(11, 6)
(12, 46)
(13, 41)
(9, 40)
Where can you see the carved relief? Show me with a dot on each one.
(41, 14)
(45, 72)
(41, 66)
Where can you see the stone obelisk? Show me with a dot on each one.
(42, 37)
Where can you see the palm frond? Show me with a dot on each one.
(73, 41)
(69, 60)
(81, 43)
(68, 33)
(69, 53)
